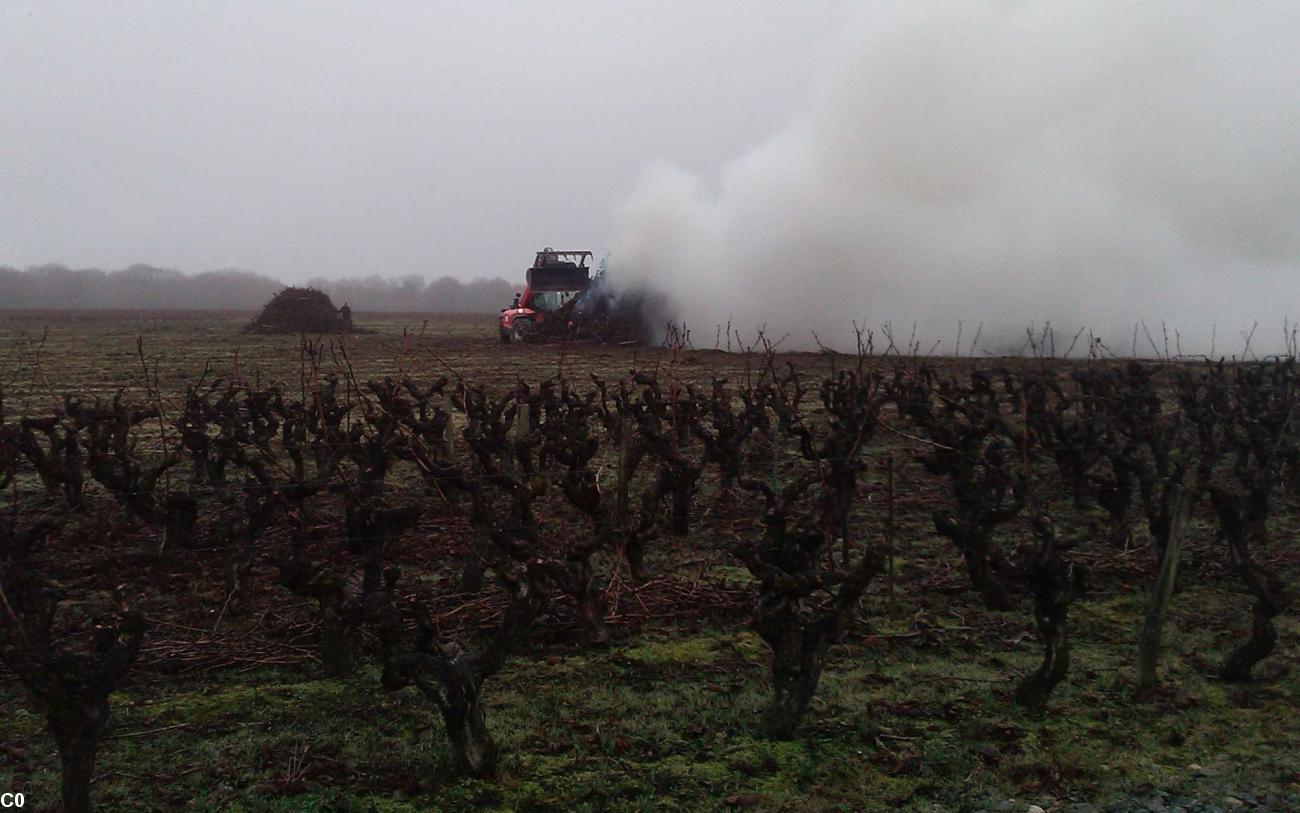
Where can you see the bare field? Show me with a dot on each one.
(47, 354)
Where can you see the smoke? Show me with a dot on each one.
(1090, 164)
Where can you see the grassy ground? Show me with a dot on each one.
(667, 721)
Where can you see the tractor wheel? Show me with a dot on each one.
(520, 330)
(504, 334)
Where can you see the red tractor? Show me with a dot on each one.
(556, 279)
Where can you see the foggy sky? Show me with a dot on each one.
(303, 139)
(803, 166)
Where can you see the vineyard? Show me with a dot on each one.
(416, 570)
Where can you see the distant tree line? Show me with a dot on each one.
(144, 287)
(411, 292)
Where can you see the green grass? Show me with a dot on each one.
(669, 722)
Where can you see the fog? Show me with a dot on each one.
(325, 139)
(1090, 164)
(144, 287)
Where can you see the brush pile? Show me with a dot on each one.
(301, 310)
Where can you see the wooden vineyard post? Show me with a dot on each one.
(449, 436)
(621, 504)
(521, 420)
(1161, 593)
(889, 525)
(776, 456)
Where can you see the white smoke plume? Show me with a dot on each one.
(1090, 163)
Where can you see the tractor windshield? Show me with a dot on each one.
(551, 300)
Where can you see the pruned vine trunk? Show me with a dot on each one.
(982, 573)
(981, 564)
(1055, 585)
(591, 611)
(1038, 685)
(338, 642)
(1243, 521)
(682, 487)
(471, 576)
(472, 747)
(1239, 663)
(798, 657)
(78, 743)
(1270, 602)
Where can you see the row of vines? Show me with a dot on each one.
(568, 488)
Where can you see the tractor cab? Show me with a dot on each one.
(554, 281)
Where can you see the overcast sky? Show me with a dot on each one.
(308, 138)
